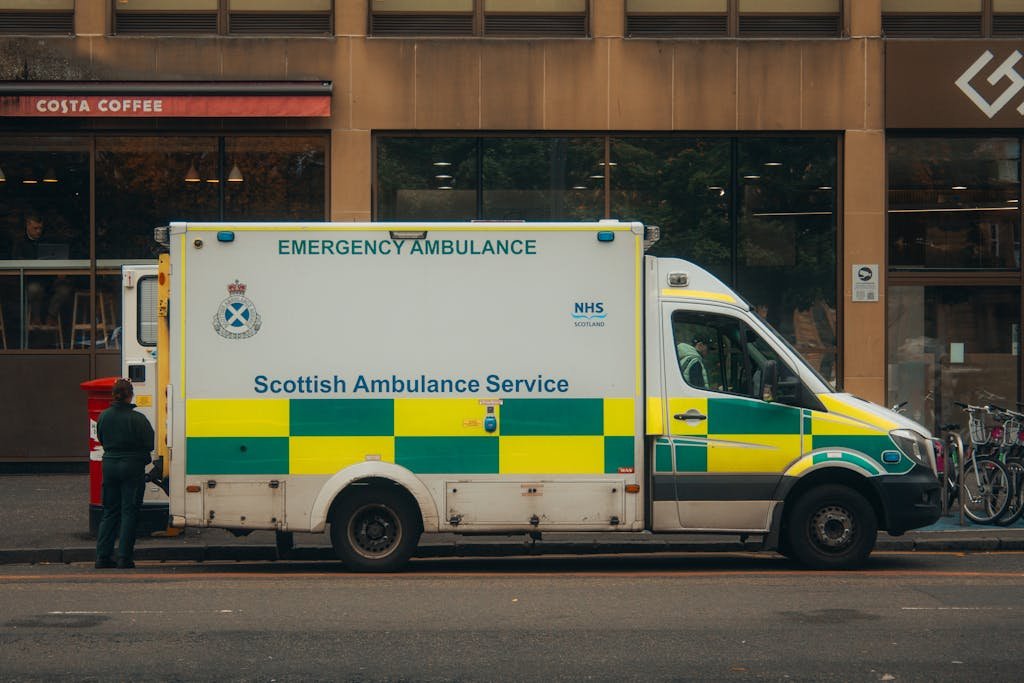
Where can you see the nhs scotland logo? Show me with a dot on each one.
(588, 313)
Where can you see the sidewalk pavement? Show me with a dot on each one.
(46, 520)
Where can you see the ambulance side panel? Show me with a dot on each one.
(494, 372)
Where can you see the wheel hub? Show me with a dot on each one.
(832, 527)
(375, 531)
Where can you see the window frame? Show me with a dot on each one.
(662, 23)
(139, 308)
(990, 24)
(735, 145)
(94, 268)
(476, 27)
(222, 22)
(991, 277)
(38, 21)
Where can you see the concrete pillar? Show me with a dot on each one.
(864, 242)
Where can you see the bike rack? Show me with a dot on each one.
(956, 442)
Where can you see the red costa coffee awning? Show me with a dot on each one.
(177, 100)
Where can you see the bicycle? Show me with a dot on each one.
(986, 482)
(1011, 453)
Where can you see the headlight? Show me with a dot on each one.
(914, 446)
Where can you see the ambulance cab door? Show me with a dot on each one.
(137, 334)
(137, 339)
(729, 445)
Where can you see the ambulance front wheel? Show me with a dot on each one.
(374, 529)
(831, 527)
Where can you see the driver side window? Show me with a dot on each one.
(720, 353)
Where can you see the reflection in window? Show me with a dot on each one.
(426, 179)
(143, 182)
(787, 241)
(722, 354)
(40, 309)
(949, 344)
(543, 179)
(490, 178)
(146, 300)
(274, 178)
(954, 203)
(44, 204)
(765, 225)
(681, 185)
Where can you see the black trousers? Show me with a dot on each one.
(124, 482)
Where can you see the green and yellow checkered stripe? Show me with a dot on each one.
(743, 436)
(738, 436)
(427, 436)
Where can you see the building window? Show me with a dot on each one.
(1007, 18)
(143, 182)
(937, 18)
(760, 213)
(544, 178)
(953, 301)
(536, 18)
(50, 253)
(743, 18)
(53, 17)
(951, 343)
(44, 246)
(233, 17)
(954, 203)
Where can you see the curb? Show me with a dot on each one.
(264, 553)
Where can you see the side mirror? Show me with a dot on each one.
(770, 372)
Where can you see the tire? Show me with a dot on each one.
(1015, 506)
(986, 490)
(374, 529)
(832, 527)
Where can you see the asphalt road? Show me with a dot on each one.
(908, 616)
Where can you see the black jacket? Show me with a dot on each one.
(125, 433)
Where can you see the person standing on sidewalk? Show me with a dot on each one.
(127, 439)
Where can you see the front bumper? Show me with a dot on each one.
(909, 501)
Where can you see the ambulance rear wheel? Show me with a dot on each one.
(832, 527)
(374, 529)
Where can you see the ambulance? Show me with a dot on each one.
(378, 381)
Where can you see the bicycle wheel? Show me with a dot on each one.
(986, 490)
(1015, 506)
(950, 476)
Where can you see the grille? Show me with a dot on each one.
(166, 22)
(796, 25)
(37, 22)
(645, 25)
(280, 23)
(421, 24)
(561, 25)
(1008, 25)
(912, 25)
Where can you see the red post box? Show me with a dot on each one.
(99, 399)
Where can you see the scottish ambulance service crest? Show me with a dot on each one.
(237, 317)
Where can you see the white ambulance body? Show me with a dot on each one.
(383, 380)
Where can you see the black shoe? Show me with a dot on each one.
(105, 563)
(125, 564)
